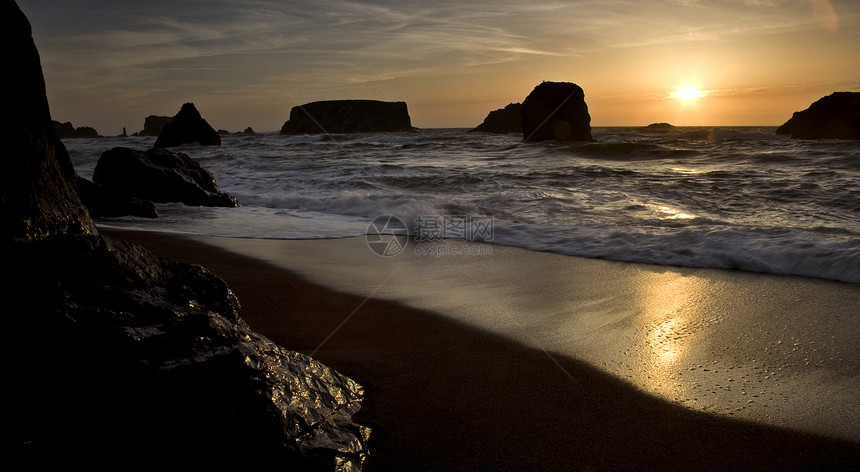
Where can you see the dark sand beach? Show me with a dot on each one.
(444, 395)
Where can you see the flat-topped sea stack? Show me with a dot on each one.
(153, 124)
(187, 127)
(348, 116)
(836, 116)
(503, 121)
(556, 111)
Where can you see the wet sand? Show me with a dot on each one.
(534, 361)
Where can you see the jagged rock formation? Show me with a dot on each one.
(503, 121)
(119, 358)
(348, 116)
(153, 124)
(119, 353)
(187, 127)
(556, 111)
(160, 175)
(67, 131)
(836, 116)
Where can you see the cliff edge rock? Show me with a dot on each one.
(836, 116)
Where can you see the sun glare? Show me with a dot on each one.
(688, 93)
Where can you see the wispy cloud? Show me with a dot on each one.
(138, 51)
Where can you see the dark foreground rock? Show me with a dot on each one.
(187, 127)
(503, 121)
(118, 352)
(836, 116)
(556, 111)
(348, 116)
(108, 202)
(160, 175)
(117, 358)
(37, 180)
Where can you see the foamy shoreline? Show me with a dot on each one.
(772, 349)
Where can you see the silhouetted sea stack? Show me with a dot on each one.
(503, 121)
(187, 127)
(836, 116)
(153, 124)
(117, 355)
(556, 111)
(348, 116)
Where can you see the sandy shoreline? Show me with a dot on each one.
(484, 387)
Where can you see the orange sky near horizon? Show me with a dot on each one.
(109, 64)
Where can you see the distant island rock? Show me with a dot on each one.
(503, 121)
(187, 127)
(67, 131)
(118, 355)
(348, 116)
(556, 111)
(161, 176)
(153, 124)
(248, 131)
(836, 116)
(657, 127)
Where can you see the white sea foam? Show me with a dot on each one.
(740, 198)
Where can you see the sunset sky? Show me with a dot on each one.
(111, 63)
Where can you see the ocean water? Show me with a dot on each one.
(733, 198)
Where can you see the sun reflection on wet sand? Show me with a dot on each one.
(667, 328)
(777, 350)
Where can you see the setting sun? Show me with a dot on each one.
(688, 93)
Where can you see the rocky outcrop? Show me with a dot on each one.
(118, 357)
(348, 116)
(153, 124)
(556, 111)
(67, 131)
(836, 116)
(119, 354)
(160, 175)
(37, 180)
(187, 127)
(503, 121)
